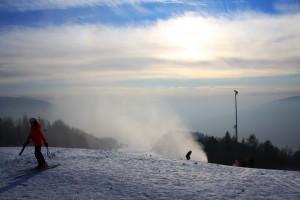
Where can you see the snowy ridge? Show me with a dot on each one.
(95, 174)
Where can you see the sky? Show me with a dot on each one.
(149, 46)
(176, 50)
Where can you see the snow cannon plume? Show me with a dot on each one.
(176, 144)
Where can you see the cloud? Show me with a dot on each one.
(287, 6)
(48, 4)
(188, 46)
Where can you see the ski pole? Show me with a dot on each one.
(24, 145)
(49, 154)
(22, 150)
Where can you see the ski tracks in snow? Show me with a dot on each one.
(95, 174)
(290, 182)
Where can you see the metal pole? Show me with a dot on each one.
(236, 127)
(236, 124)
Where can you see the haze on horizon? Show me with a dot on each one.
(177, 61)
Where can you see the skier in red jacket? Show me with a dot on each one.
(38, 139)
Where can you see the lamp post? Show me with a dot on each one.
(236, 126)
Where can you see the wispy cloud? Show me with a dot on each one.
(48, 4)
(284, 6)
(287, 6)
(188, 46)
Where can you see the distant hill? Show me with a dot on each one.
(18, 106)
(57, 133)
(289, 99)
(277, 121)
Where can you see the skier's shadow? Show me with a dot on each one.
(18, 182)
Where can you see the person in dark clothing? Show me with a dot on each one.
(188, 155)
(38, 139)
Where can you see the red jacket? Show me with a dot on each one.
(37, 136)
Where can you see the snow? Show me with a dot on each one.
(96, 174)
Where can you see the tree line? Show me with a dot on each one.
(223, 150)
(264, 155)
(58, 134)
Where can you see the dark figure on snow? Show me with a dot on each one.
(38, 139)
(188, 155)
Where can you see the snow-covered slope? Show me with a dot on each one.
(95, 174)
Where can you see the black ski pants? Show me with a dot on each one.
(38, 154)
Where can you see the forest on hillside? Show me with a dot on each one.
(58, 134)
(248, 153)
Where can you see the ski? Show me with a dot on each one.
(33, 170)
(23, 173)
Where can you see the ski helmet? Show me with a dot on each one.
(33, 120)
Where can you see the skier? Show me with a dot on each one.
(188, 155)
(38, 139)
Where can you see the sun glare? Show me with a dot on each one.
(189, 38)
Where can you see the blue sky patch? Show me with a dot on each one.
(127, 13)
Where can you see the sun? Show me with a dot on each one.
(188, 38)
